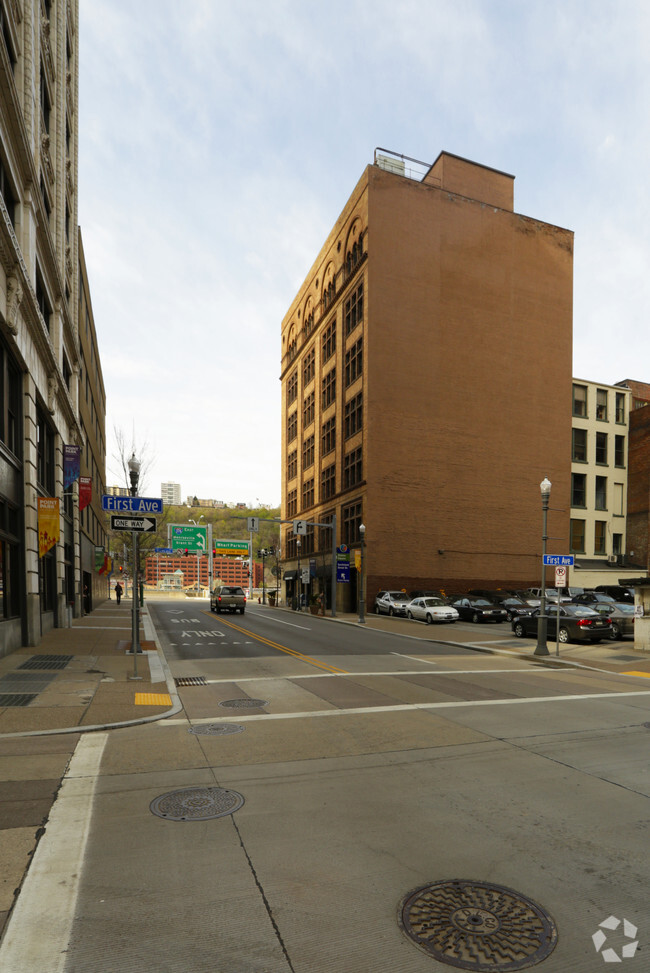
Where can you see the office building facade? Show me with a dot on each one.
(171, 494)
(40, 351)
(426, 386)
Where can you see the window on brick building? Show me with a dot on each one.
(577, 537)
(601, 493)
(308, 494)
(619, 451)
(292, 465)
(620, 407)
(328, 482)
(352, 469)
(328, 388)
(328, 436)
(353, 362)
(292, 503)
(580, 400)
(600, 537)
(308, 450)
(308, 410)
(351, 519)
(353, 310)
(329, 341)
(601, 404)
(292, 426)
(601, 448)
(579, 446)
(578, 490)
(292, 388)
(308, 366)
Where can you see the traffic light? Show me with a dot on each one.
(121, 569)
(185, 552)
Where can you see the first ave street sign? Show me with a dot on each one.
(132, 505)
(143, 525)
(559, 560)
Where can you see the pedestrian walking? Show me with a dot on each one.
(118, 591)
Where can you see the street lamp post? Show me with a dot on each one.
(542, 624)
(362, 602)
(134, 476)
(299, 574)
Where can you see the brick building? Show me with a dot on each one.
(229, 570)
(426, 384)
(638, 494)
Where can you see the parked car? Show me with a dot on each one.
(492, 594)
(431, 610)
(622, 616)
(516, 606)
(592, 597)
(578, 623)
(617, 591)
(551, 594)
(228, 598)
(392, 603)
(476, 609)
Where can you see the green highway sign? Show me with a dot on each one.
(184, 537)
(230, 547)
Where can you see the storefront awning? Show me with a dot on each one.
(290, 575)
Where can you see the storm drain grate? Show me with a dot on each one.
(196, 804)
(47, 662)
(244, 703)
(16, 699)
(190, 681)
(215, 729)
(25, 682)
(477, 926)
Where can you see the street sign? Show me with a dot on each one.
(300, 526)
(343, 571)
(560, 576)
(564, 560)
(140, 524)
(163, 550)
(187, 538)
(238, 548)
(132, 505)
(306, 575)
(253, 524)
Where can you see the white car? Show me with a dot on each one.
(431, 610)
(392, 603)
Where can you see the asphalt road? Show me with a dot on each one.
(369, 765)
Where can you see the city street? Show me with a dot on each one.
(319, 773)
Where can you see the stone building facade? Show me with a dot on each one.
(426, 386)
(39, 313)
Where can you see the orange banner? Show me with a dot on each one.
(49, 524)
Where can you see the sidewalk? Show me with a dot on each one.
(82, 678)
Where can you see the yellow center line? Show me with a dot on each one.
(281, 648)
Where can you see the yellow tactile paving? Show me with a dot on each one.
(153, 699)
(646, 674)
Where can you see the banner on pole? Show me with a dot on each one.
(71, 465)
(49, 524)
(85, 491)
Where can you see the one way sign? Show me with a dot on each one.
(140, 524)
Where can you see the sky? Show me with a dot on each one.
(219, 141)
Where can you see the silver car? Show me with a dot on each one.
(392, 603)
(431, 610)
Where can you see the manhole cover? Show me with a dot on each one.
(244, 703)
(216, 729)
(477, 926)
(196, 804)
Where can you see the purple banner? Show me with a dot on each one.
(71, 465)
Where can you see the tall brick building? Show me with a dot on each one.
(426, 384)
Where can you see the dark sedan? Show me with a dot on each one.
(474, 609)
(516, 606)
(578, 623)
(622, 616)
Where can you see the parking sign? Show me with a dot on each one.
(560, 576)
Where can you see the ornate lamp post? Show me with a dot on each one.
(542, 624)
(362, 603)
(134, 476)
